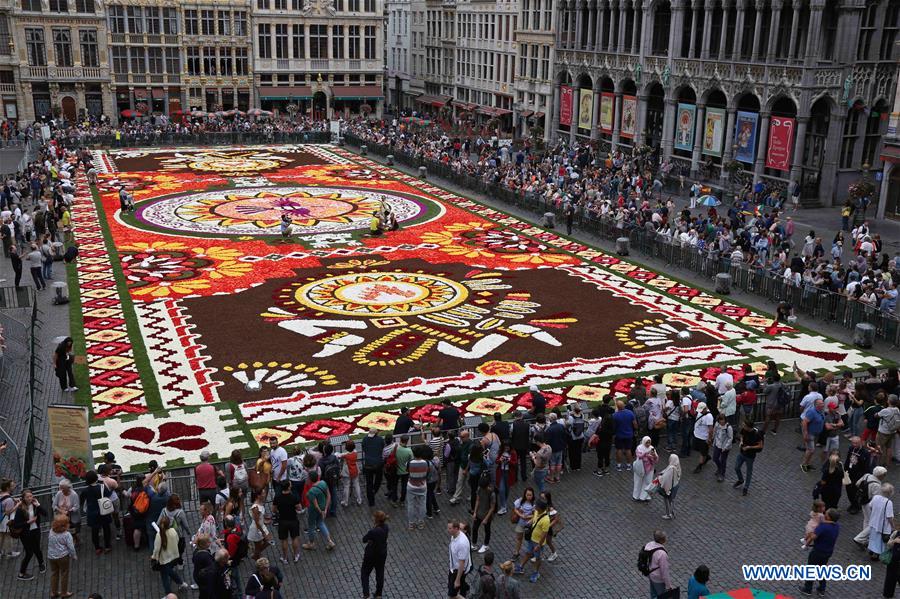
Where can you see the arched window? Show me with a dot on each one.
(851, 127)
(874, 130)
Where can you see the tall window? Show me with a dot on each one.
(90, 54)
(224, 18)
(889, 33)
(62, 47)
(873, 131)
(138, 59)
(297, 5)
(354, 42)
(59, 6)
(31, 5)
(337, 41)
(207, 22)
(848, 145)
(280, 4)
(298, 35)
(135, 19)
(209, 61)
(173, 61)
(119, 59)
(225, 62)
(281, 40)
(353, 5)
(85, 6)
(170, 22)
(155, 60)
(151, 13)
(318, 41)
(369, 5)
(117, 19)
(34, 43)
(545, 63)
(262, 4)
(240, 23)
(867, 27)
(191, 24)
(240, 61)
(264, 40)
(370, 42)
(193, 60)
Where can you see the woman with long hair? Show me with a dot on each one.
(262, 471)
(375, 554)
(63, 359)
(831, 485)
(258, 533)
(165, 556)
(523, 508)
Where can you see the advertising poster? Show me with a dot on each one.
(607, 107)
(629, 116)
(586, 109)
(781, 143)
(745, 136)
(684, 126)
(70, 441)
(565, 105)
(714, 131)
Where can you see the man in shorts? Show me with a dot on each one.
(624, 425)
(286, 506)
(811, 424)
(540, 527)
(703, 434)
(833, 426)
(888, 423)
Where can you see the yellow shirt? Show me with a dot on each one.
(540, 525)
(66, 219)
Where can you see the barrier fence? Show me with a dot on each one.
(817, 303)
(211, 138)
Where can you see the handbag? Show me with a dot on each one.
(659, 424)
(886, 556)
(846, 480)
(594, 441)
(653, 487)
(104, 503)
(673, 593)
(155, 565)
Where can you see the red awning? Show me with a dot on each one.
(285, 93)
(538, 115)
(492, 111)
(890, 153)
(140, 93)
(465, 106)
(158, 93)
(526, 113)
(436, 101)
(347, 92)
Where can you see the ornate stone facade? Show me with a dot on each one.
(818, 75)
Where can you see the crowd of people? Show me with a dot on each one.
(752, 230)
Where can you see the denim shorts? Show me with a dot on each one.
(533, 549)
(556, 458)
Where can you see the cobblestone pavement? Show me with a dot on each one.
(598, 547)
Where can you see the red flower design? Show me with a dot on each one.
(323, 429)
(177, 435)
(553, 400)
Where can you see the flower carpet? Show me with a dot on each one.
(203, 327)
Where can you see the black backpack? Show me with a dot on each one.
(488, 585)
(864, 497)
(644, 557)
(332, 473)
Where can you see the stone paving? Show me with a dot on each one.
(598, 547)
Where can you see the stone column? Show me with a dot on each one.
(579, 26)
(623, 21)
(80, 99)
(676, 29)
(795, 26)
(617, 109)
(772, 49)
(757, 31)
(799, 143)
(814, 35)
(601, 22)
(707, 28)
(762, 146)
(647, 32)
(668, 128)
(729, 141)
(25, 103)
(554, 114)
(592, 25)
(636, 29)
(698, 139)
(561, 18)
(107, 95)
(739, 30)
(723, 38)
(613, 20)
(595, 116)
(695, 21)
(830, 161)
(641, 120)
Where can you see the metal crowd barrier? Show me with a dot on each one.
(211, 138)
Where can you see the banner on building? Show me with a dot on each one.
(586, 109)
(781, 143)
(565, 105)
(714, 131)
(607, 110)
(70, 441)
(629, 116)
(745, 136)
(684, 126)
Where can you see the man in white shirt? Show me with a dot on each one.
(721, 380)
(703, 432)
(888, 422)
(810, 398)
(279, 458)
(460, 562)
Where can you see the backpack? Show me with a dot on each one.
(783, 397)
(487, 585)
(390, 464)
(140, 502)
(104, 503)
(16, 532)
(863, 486)
(577, 427)
(243, 547)
(332, 473)
(644, 557)
(240, 476)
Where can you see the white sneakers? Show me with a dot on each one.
(483, 549)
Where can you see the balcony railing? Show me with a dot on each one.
(7, 88)
(91, 72)
(354, 65)
(37, 72)
(154, 39)
(283, 64)
(319, 64)
(117, 38)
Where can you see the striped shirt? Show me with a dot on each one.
(418, 472)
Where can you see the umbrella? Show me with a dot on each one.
(259, 112)
(131, 114)
(709, 200)
(220, 113)
(199, 113)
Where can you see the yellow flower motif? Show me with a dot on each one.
(156, 246)
(500, 368)
(467, 252)
(438, 237)
(539, 258)
(219, 253)
(358, 263)
(229, 268)
(470, 226)
(170, 288)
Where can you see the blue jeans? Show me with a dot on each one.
(315, 520)
(657, 589)
(539, 474)
(48, 268)
(816, 558)
(167, 573)
(672, 431)
(687, 431)
(856, 422)
(740, 461)
(502, 490)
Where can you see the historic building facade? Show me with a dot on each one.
(319, 57)
(535, 37)
(57, 59)
(397, 50)
(169, 56)
(788, 91)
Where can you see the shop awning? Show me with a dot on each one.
(436, 101)
(492, 111)
(890, 153)
(140, 93)
(302, 92)
(526, 113)
(158, 93)
(538, 115)
(357, 92)
(465, 106)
